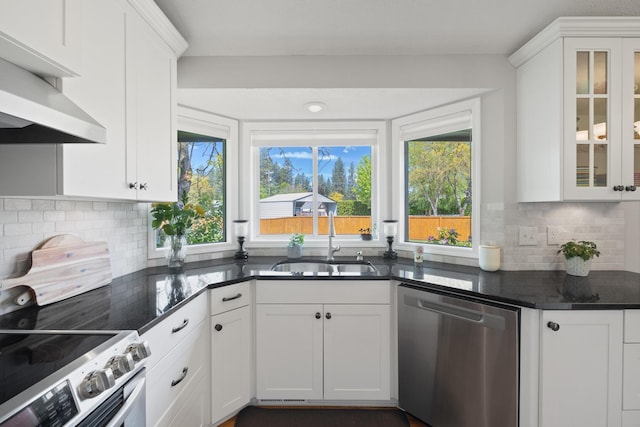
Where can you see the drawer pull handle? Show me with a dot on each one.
(553, 326)
(225, 299)
(218, 327)
(318, 315)
(182, 377)
(328, 315)
(185, 322)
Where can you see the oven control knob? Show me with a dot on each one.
(121, 364)
(139, 350)
(95, 383)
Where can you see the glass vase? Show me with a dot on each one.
(176, 251)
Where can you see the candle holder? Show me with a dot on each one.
(241, 229)
(390, 228)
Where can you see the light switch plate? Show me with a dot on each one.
(528, 236)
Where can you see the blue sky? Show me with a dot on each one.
(302, 158)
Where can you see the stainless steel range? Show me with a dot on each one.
(72, 378)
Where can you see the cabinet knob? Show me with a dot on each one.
(618, 188)
(218, 327)
(143, 186)
(133, 185)
(553, 326)
(318, 315)
(630, 188)
(328, 315)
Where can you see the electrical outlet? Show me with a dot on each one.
(528, 236)
(553, 234)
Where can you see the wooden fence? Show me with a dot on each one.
(420, 227)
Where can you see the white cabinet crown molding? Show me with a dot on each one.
(154, 16)
(577, 26)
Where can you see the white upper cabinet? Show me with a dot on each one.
(128, 85)
(42, 36)
(576, 111)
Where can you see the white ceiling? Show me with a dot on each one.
(358, 27)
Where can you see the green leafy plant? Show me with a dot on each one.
(296, 239)
(582, 249)
(174, 219)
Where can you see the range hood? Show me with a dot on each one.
(33, 111)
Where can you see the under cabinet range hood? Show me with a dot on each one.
(33, 111)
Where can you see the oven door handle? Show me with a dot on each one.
(119, 418)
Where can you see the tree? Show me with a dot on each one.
(439, 175)
(339, 177)
(363, 181)
(351, 182)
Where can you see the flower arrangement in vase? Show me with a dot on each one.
(174, 220)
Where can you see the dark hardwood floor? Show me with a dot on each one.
(412, 422)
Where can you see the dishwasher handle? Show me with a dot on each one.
(461, 313)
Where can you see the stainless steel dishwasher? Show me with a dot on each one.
(457, 360)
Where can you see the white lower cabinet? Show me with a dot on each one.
(230, 362)
(330, 351)
(231, 349)
(581, 368)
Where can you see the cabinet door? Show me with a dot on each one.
(592, 149)
(99, 169)
(357, 352)
(581, 369)
(631, 118)
(151, 81)
(230, 362)
(289, 351)
(42, 36)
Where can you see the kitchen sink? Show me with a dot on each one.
(320, 266)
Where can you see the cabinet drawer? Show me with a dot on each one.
(323, 292)
(631, 377)
(166, 335)
(230, 297)
(632, 326)
(170, 382)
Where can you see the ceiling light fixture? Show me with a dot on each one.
(315, 107)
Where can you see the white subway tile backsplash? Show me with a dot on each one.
(25, 223)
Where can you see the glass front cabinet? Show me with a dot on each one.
(593, 151)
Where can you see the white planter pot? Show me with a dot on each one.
(294, 251)
(576, 266)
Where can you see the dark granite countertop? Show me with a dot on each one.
(140, 300)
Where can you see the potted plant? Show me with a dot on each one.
(365, 233)
(578, 256)
(294, 250)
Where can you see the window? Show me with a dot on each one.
(439, 159)
(206, 144)
(304, 171)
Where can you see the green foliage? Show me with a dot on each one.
(439, 177)
(583, 249)
(448, 237)
(296, 239)
(175, 218)
(363, 181)
(353, 208)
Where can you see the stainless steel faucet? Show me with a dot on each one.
(332, 233)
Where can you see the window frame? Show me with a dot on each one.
(313, 129)
(196, 121)
(398, 168)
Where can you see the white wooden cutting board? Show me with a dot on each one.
(61, 267)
